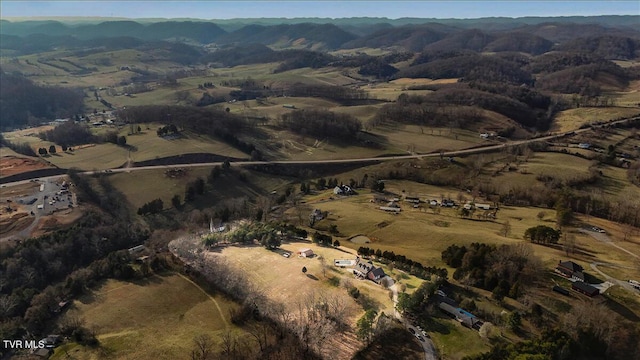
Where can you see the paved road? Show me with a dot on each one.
(356, 160)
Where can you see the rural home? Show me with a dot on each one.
(369, 271)
(483, 206)
(343, 190)
(570, 270)
(412, 199)
(317, 215)
(376, 275)
(585, 288)
(464, 317)
(305, 253)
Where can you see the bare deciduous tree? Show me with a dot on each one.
(202, 347)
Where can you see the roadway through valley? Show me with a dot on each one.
(470, 151)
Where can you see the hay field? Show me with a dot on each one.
(425, 139)
(150, 146)
(540, 164)
(573, 118)
(147, 145)
(142, 186)
(154, 319)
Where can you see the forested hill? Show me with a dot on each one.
(30, 103)
(409, 33)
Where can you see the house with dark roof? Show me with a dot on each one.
(369, 271)
(362, 268)
(376, 275)
(570, 270)
(585, 288)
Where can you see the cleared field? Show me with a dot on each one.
(150, 146)
(545, 164)
(290, 286)
(392, 89)
(156, 319)
(573, 118)
(422, 235)
(143, 186)
(424, 139)
(146, 145)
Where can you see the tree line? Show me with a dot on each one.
(403, 263)
(214, 122)
(501, 270)
(25, 103)
(33, 270)
(322, 124)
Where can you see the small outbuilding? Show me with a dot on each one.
(305, 253)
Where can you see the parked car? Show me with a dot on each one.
(411, 330)
(420, 338)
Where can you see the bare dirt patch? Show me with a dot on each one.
(57, 221)
(14, 223)
(11, 165)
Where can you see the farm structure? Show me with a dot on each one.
(462, 316)
(343, 190)
(570, 270)
(585, 289)
(306, 253)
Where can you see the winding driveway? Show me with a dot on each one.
(602, 237)
(427, 345)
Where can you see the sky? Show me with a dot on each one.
(203, 9)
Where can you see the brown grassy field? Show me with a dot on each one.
(422, 235)
(573, 118)
(154, 319)
(147, 145)
(143, 186)
(289, 286)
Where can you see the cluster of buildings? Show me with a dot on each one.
(575, 273)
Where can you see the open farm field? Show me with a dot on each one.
(154, 319)
(419, 139)
(363, 50)
(292, 146)
(146, 145)
(422, 235)
(541, 164)
(573, 118)
(157, 184)
(392, 89)
(150, 146)
(273, 107)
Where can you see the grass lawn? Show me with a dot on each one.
(455, 341)
(154, 319)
